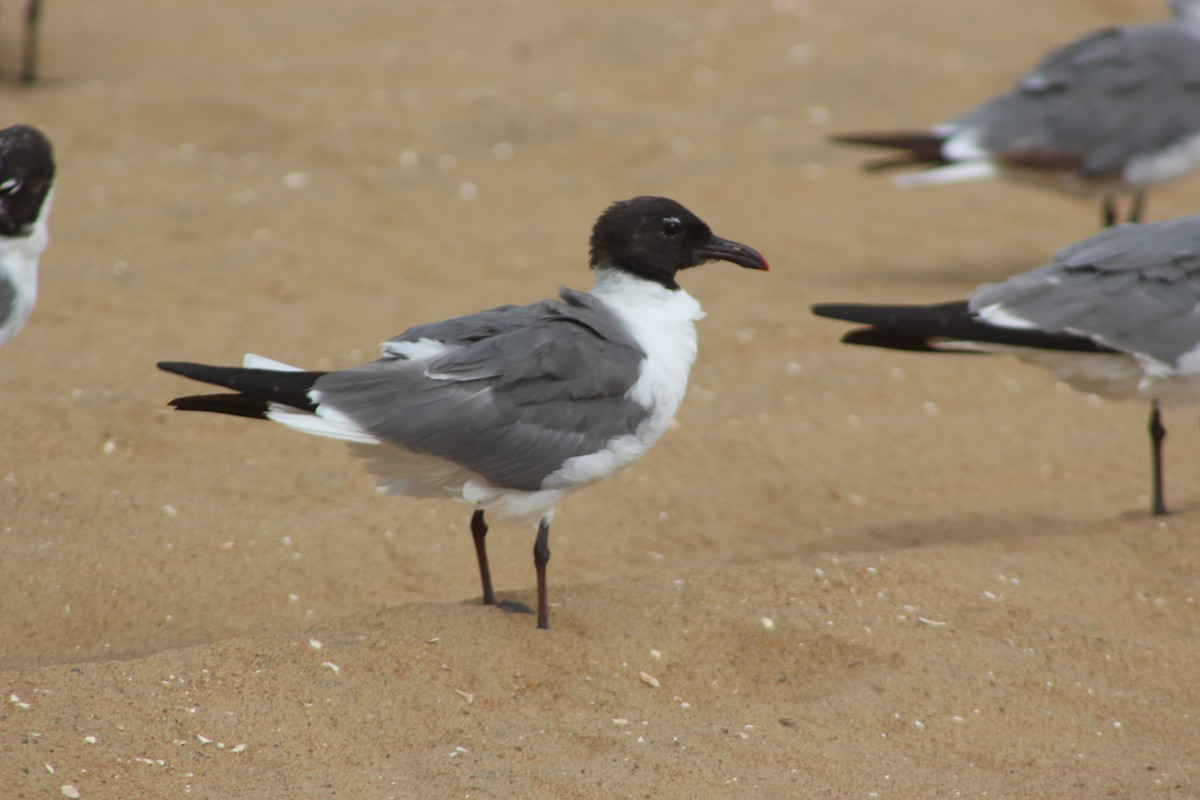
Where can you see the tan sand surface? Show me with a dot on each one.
(966, 596)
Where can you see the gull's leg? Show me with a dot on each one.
(541, 555)
(479, 530)
(1108, 212)
(1138, 207)
(1157, 434)
(33, 14)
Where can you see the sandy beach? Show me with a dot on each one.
(844, 573)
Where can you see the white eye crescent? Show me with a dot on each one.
(11, 185)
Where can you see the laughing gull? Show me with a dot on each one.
(1114, 112)
(1117, 315)
(513, 408)
(26, 192)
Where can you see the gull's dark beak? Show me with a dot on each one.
(718, 249)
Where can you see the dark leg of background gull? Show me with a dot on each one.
(479, 530)
(1110, 214)
(1139, 206)
(33, 14)
(1157, 434)
(541, 555)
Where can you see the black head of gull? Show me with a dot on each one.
(26, 177)
(26, 181)
(655, 237)
(512, 408)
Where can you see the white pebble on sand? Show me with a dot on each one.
(295, 180)
(801, 54)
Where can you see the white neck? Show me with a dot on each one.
(19, 262)
(628, 293)
(662, 322)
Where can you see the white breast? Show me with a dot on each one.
(1177, 161)
(663, 323)
(19, 262)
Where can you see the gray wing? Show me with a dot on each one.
(518, 391)
(1135, 288)
(1096, 103)
(469, 328)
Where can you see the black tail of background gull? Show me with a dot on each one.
(921, 328)
(256, 389)
(916, 148)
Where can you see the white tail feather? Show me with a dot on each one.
(325, 422)
(951, 173)
(254, 361)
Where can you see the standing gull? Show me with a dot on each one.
(513, 408)
(1117, 314)
(26, 191)
(1111, 113)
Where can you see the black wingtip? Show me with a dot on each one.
(175, 367)
(914, 316)
(929, 328)
(237, 405)
(259, 386)
(199, 372)
(917, 147)
(890, 339)
(830, 310)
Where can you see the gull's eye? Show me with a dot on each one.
(9, 186)
(671, 226)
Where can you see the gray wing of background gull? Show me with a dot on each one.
(517, 391)
(1098, 102)
(1135, 288)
